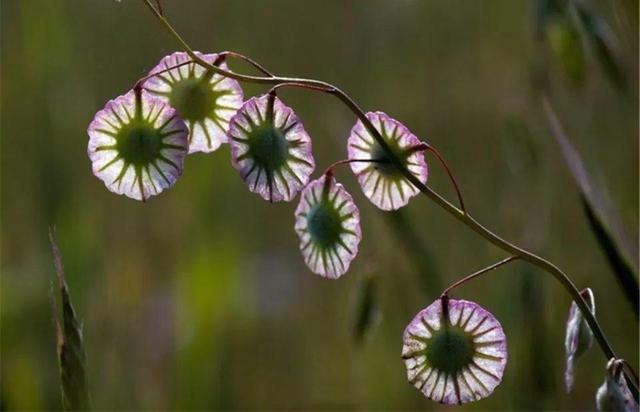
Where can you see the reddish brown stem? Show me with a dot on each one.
(141, 81)
(451, 176)
(249, 60)
(159, 6)
(301, 86)
(329, 170)
(478, 273)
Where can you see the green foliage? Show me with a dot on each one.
(601, 217)
(564, 40)
(367, 310)
(620, 265)
(520, 150)
(571, 28)
(600, 38)
(423, 260)
(71, 355)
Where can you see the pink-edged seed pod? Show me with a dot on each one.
(455, 351)
(205, 100)
(328, 225)
(137, 145)
(270, 148)
(380, 179)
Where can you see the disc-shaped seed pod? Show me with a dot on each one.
(380, 179)
(205, 100)
(328, 225)
(455, 351)
(137, 145)
(270, 148)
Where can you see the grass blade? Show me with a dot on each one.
(607, 230)
(417, 251)
(71, 354)
(603, 43)
(367, 311)
(618, 262)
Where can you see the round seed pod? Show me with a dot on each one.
(137, 145)
(380, 179)
(328, 225)
(455, 351)
(205, 100)
(270, 148)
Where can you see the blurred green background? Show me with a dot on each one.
(199, 299)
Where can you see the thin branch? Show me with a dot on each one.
(478, 273)
(142, 80)
(252, 62)
(329, 170)
(451, 176)
(302, 85)
(152, 8)
(159, 6)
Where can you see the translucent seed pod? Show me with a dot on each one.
(205, 100)
(328, 225)
(381, 180)
(270, 148)
(455, 351)
(137, 145)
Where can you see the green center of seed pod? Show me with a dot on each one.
(193, 98)
(450, 350)
(325, 224)
(383, 163)
(268, 147)
(139, 143)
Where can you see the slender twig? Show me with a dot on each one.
(152, 8)
(301, 85)
(159, 6)
(478, 273)
(410, 240)
(252, 62)
(142, 80)
(451, 176)
(329, 170)
(459, 214)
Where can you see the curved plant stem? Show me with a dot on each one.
(301, 85)
(246, 59)
(142, 80)
(330, 169)
(478, 273)
(454, 182)
(459, 214)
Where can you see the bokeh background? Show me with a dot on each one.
(199, 299)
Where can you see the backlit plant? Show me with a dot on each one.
(205, 100)
(454, 350)
(270, 148)
(137, 145)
